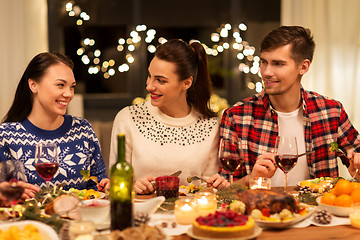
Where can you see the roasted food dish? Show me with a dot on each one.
(266, 199)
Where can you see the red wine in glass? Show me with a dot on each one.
(230, 164)
(46, 161)
(286, 154)
(12, 192)
(47, 169)
(286, 162)
(230, 155)
(11, 172)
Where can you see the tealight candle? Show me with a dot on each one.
(206, 203)
(355, 215)
(185, 211)
(260, 183)
(80, 228)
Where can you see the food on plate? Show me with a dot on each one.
(224, 224)
(344, 194)
(28, 232)
(139, 233)
(266, 199)
(283, 216)
(191, 188)
(65, 206)
(85, 194)
(320, 185)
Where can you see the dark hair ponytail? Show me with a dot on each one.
(190, 61)
(23, 100)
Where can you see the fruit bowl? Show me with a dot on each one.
(338, 211)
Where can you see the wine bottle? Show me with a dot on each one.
(121, 190)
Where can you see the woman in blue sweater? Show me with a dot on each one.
(38, 115)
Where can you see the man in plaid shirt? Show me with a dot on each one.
(284, 108)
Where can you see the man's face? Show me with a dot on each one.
(280, 73)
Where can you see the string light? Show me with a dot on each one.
(245, 52)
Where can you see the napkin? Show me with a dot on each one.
(157, 219)
(335, 221)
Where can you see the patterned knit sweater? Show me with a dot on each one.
(78, 149)
(158, 145)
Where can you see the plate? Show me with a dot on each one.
(317, 184)
(338, 211)
(285, 224)
(257, 232)
(45, 231)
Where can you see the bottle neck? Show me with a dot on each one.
(121, 148)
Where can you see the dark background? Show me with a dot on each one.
(185, 19)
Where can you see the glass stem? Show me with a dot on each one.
(285, 182)
(231, 179)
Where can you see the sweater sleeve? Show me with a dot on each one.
(212, 166)
(97, 164)
(121, 125)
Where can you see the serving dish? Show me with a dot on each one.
(45, 231)
(338, 211)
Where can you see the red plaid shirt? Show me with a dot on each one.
(325, 121)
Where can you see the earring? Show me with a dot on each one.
(35, 91)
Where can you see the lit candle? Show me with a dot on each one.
(355, 215)
(260, 183)
(80, 228)
(206, 203)
(185, 211)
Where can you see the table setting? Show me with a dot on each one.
(315, 208)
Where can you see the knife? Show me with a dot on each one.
(305, 153)
(176, 174)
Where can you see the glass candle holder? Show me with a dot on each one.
(167, 186)
(81, 228)
(205, 203)
(185, 211)
(355, 215)
(260, 183)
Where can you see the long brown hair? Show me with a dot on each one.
(190, 61)
(23, 99)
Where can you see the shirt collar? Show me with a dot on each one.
(267, 104)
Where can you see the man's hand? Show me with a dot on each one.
(264, 166)
(354, 163)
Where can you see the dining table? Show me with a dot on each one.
(306, 233)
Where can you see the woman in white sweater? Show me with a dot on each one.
(176, 130)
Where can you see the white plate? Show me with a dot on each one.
(45, 231)
(285, 224)
(257, 232)
(338, 211)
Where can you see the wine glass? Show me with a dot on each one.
(11, 172)
(46, 161)
(230, 155)
(286, 154)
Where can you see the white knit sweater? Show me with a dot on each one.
(158, 145)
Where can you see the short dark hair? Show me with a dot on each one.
(190, 61)
(23, 100)
(300, 38)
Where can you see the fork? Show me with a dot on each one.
(340, 154)
(195, 178)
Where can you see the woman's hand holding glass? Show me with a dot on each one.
(12, 174)
(145, 185)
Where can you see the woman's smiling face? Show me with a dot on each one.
(165, 88)
(55, 90)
